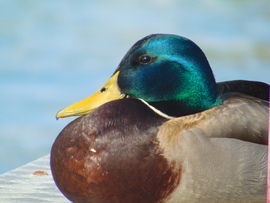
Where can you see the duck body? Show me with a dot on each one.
(136, 155)
(162, 130)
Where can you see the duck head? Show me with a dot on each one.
(169, 72)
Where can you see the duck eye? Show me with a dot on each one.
(145, 59)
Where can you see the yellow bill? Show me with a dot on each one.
(108, 92)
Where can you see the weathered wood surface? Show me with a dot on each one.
(32, 182)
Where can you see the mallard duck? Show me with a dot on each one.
(162, 130)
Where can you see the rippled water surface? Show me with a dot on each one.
(54, 53)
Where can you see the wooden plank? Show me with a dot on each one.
(32, 182)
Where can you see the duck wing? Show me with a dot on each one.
(241, 117)
(256, 89)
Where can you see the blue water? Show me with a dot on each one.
(54, 53)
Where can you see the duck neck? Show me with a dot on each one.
(177, 108)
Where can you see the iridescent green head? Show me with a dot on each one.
(169, 72)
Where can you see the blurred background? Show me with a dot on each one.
(54, 53)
